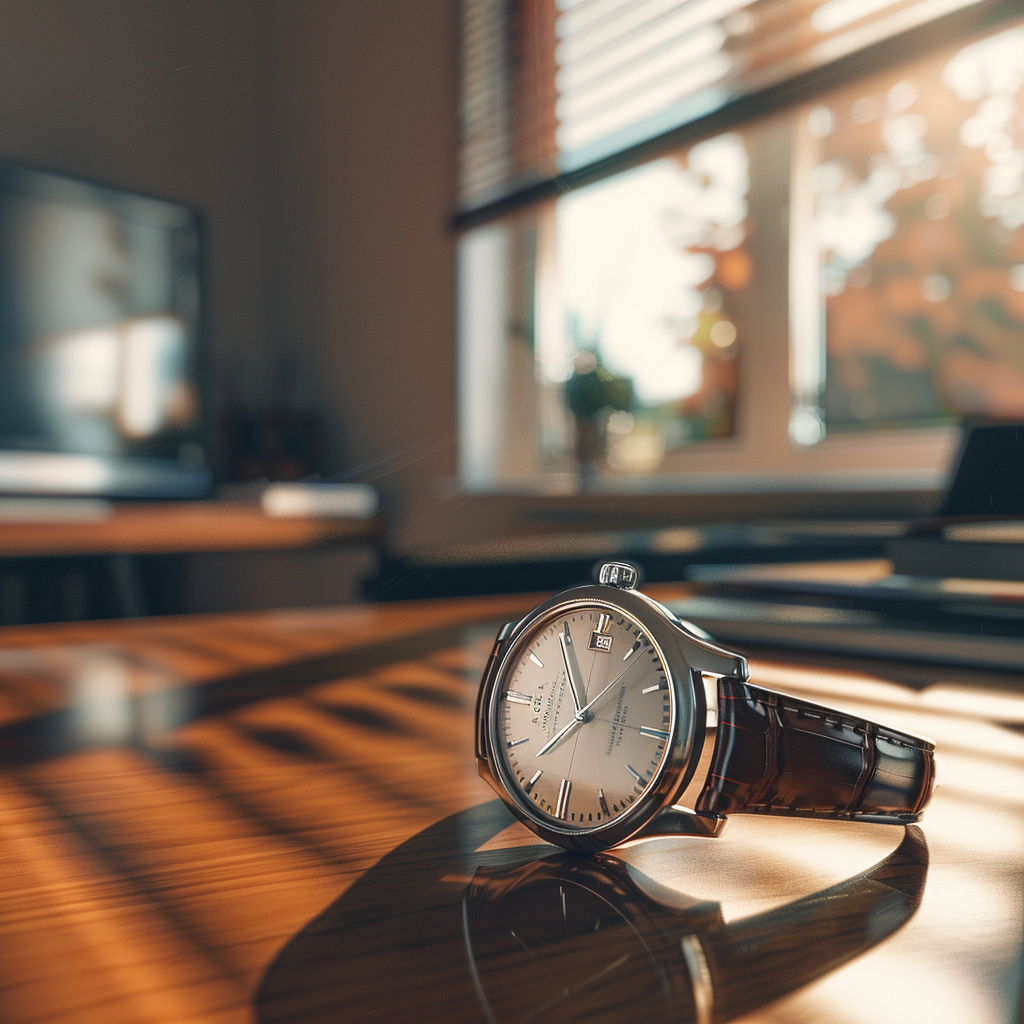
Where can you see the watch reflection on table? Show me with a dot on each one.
(442, 930)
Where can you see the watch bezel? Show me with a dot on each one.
(681, 755)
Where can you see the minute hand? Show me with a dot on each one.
(590, 703)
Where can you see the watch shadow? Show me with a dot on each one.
(439, 930)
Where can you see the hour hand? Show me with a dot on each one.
(572, 666)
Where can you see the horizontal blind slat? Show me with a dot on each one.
(651, 65)
(556, 83)
(654, 38)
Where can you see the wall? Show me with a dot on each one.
(365, 127)
(166, 97)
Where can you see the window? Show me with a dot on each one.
(673, 277)
(916, 177)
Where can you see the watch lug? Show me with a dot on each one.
(709, 657)
(504, 632)
(680, 821)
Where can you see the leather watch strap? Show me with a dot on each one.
(775, 754)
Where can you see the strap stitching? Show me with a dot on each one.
(830, 813)
(853, 724)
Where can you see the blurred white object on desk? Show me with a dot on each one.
(319, 501)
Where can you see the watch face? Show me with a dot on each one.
(583, 716)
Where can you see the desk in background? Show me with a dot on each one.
(125, 560)
(239, 818)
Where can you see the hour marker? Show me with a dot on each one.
(632, 771)
(515, 743)
(514, 697)
(654, 734)
(663, 685)
(536, 660)
(631, 651)
(533, 781)
(602, 622)
(601, 800)
(562, 807)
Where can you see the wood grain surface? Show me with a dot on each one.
(206, 819)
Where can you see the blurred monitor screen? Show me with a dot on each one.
(99, 323)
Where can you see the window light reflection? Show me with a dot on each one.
(86, 367)
(125, 380)
(153, 353)
(101, 700)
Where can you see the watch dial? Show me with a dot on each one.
(584, 716)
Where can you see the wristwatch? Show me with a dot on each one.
(603, 718)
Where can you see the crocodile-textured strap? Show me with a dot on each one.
(775, 754)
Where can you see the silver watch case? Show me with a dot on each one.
(690, 662)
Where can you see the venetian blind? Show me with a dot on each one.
(555, 86)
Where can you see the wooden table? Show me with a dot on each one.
(276, 817)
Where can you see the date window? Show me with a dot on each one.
(600, 638)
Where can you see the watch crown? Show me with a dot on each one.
(618, 574)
